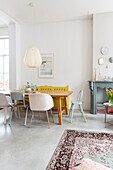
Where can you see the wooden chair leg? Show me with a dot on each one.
(39, 115)
(31, 119)
(52, 115)
(47, 118)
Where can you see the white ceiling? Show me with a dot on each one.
(53, 10)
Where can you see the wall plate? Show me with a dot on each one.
(101, 61)
(104, 50)
(111, 59)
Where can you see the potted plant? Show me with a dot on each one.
(28, 87)
(110, 96)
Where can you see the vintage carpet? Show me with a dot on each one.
(76, 145)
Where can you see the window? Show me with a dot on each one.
(4, 64)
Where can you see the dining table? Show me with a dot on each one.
(54, 94)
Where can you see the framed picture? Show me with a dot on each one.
(46, 70)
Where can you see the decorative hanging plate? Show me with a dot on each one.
(104, 50)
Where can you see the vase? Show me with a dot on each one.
(110, 101)
(28, 89)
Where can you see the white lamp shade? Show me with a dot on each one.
(32, 57)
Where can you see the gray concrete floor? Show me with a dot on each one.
(23, 148)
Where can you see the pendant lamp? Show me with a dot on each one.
(32, 58)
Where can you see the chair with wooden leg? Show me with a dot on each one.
(78, 102)
(4, 105)
(41, 102)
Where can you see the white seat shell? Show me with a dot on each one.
(40, 102)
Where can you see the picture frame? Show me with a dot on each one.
(46, 70)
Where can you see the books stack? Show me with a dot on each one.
(100, 107)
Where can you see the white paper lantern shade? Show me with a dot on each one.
(32, 58)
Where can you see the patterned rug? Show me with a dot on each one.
(76, 145)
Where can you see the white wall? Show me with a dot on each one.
(71, 43)
(4, 31)
(103, 37)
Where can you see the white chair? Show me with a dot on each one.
(41, 102)
(4, 104)
(78, 102)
